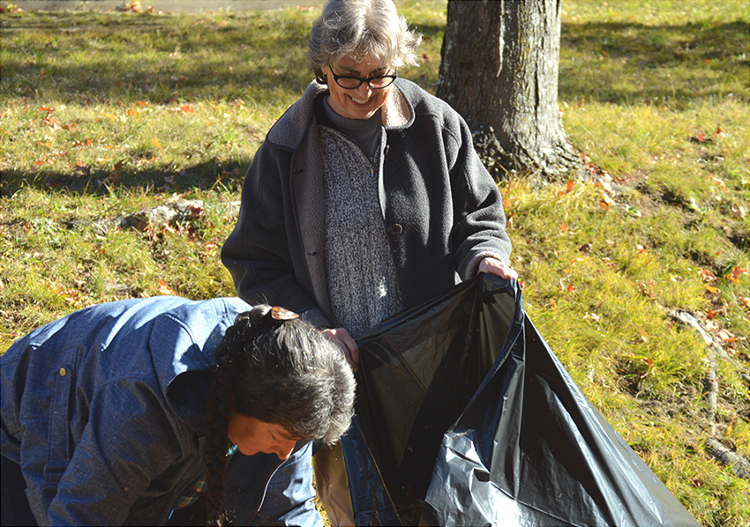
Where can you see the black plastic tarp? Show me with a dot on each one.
(466, 417)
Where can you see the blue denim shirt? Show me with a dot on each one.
(104, 409)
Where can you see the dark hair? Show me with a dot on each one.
(277, 368)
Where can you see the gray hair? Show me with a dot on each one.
(279, 370)
(289, 374)
(357, 29)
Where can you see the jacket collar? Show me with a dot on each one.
(290, 129)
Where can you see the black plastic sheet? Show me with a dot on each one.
(466, 417)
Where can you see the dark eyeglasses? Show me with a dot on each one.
(351, 83)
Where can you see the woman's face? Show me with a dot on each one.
(252, 435)
(362, 102)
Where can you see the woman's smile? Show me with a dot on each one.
(361, 102)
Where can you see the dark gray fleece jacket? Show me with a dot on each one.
(442, 211)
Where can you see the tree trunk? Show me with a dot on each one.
(499, 71)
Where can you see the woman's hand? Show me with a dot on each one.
(497, 267)
(346, 344)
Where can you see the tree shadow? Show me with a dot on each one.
(200, 176)
(631, 62)
(607, 62)
(156, 60)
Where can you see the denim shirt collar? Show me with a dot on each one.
(194, 335)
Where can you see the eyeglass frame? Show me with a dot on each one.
(361, 80)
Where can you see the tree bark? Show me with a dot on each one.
(499, 71)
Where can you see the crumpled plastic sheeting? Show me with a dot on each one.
(469, 419)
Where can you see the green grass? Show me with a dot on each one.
(102, 115)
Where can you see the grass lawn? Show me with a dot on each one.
(103, 115)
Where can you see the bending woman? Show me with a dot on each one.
(127, 412)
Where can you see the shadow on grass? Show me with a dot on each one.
(201, 176)
(631, 62)
(160, 60)
(84, 59)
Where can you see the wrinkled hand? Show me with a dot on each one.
(346, 344)
(497, 267)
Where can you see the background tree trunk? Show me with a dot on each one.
(499, 71)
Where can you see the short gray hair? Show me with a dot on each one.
(287, 373)
(358, 28)
(281, 371)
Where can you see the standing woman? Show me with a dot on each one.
(136, 411)
(366, 197)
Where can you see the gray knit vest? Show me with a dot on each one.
(363, 285)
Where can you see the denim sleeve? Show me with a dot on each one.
(129, 441)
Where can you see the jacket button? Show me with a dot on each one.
(63, 372)
(396, 229)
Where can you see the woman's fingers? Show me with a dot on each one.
(346, 344)
(497, 267)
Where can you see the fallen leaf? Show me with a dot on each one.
(571, 184)
(734, 276)
(142, 161)
(707, 275)
(564, 227)
(156, 142)
(713, 290)
(164, 289)
(196, 211)
(726, 336)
